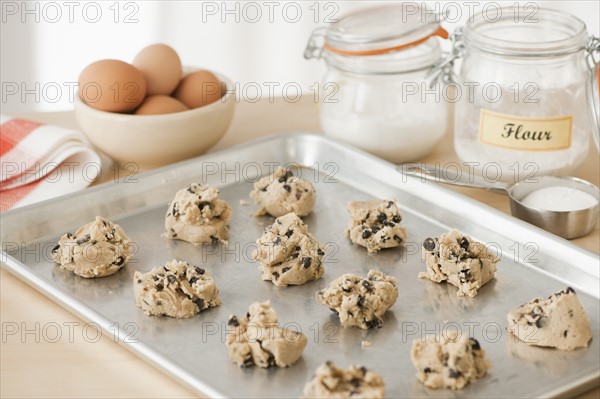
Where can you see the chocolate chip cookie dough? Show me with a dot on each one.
(459, 260)
(198, 215)
(176, 289)
(282, 193)
(375, 224)
(449, 360)
(360, 302)
(557, 322)
(288, 254)
(354, 382)
(257, 339)
(97, 249)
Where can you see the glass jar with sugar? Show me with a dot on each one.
(526, 94)
(375, 93)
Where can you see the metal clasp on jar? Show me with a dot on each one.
(314, 47)
(445, 68)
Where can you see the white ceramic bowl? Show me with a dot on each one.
(155, 140)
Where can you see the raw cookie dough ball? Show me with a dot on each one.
(558, 322)
(98, 249)
(176, 289)
(448, 360)
(459, 260)
(288, 254)
(360, 302)
(354, 382)
(375, 224)
(282, 193)
(258, 340)
(198, 215)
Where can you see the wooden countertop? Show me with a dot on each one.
(78, 366)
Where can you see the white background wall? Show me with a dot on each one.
(44, 45)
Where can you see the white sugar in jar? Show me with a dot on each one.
(377, 98)
(525, 103)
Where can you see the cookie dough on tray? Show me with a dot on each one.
(459, 260)
(449, 360)
(354, 382)
(282, 193)
(558, 322)
(257, 339)
(375, 224)
(358, 301)
(288, 254)
(198, 215)
(97, 249)
(176, 289)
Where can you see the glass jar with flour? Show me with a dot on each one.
(526, 93)
(376, 94)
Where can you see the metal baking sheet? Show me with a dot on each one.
(534, 263)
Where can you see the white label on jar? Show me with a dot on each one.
(523, 133)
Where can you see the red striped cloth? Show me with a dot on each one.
(39, 162)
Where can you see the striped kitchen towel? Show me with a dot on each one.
(40, 161)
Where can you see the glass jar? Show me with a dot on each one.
(377, 97)
(524, 107)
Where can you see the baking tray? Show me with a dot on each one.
(534, 263)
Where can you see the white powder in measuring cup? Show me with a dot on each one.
(559, 199)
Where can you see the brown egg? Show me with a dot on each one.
(161, 67)
(199, 88)
(112, 85)
(159, 104)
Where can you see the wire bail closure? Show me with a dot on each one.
(445, 68)
(593, 63)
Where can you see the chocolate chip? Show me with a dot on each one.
(454, 373)
(465, 276)
(355, 382)
(382, 217)
(363, 370)
(277, 241)
(295, 255)
(69, 235)
(366, 234)
(464, 243)
(320, 252)
(233, 321)
(171, 279)
(199, 270)
(193, 280)
(199, 302)
(540, 322)
(389, 204)
(120, 260)
(173, 234)
(285, 269)
(203, 205)
(565, 333)
(165, 268)
(83, 240)
(361, 301)
(139, 281)
(214, 240)
(248, 362)
(55, 248)
(264, 189)
(474, 344)
(570, 290)
(306, 262)
(276, 275)
(374, 323)
(397, 239)
(427, 370)
(368, 286)
(287, 188)
(282, 179)
(297, 248)
(160, 287)
(189, 189)
(396, 219)
(429, 244)
(248, 315)
(289, 233)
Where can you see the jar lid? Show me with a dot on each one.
(380, 30)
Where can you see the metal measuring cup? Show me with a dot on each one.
(567, 224)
